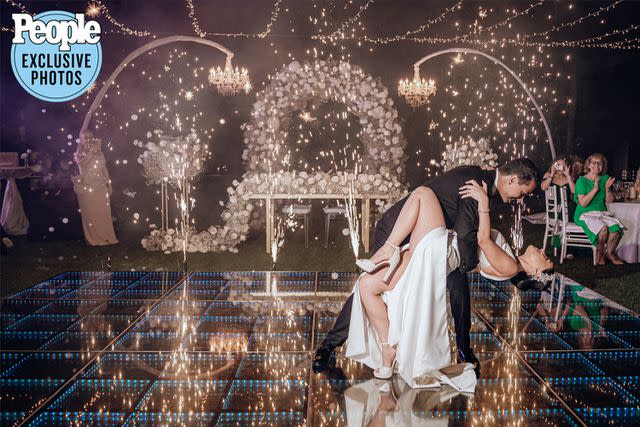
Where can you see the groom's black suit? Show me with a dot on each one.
(460, 215)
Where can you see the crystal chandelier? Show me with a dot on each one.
(417, 91)
(228, 80)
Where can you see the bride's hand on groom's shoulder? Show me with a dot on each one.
(477, 192)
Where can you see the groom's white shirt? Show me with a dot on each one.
(495, 183)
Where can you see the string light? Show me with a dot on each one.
(600, 37)
(523, 43)
(124, 29)
(421, 28)
(575, 21)
(351, 20)
(95, 8)
(18, 6)
(500, 24)
(588, 42)
(194, 19)
(274, 16)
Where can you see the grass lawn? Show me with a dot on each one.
(28, 262)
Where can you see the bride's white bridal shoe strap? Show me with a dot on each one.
(465, 381)
(391, 244)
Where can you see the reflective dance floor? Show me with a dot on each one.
(235, 348)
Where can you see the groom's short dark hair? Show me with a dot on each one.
(523, 168)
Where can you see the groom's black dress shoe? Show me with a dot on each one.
(324, 359)
(468, 357)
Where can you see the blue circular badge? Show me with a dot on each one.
(49, 72)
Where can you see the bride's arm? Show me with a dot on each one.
(501, 262)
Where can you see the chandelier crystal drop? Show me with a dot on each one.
(229, 80)
(417, 91)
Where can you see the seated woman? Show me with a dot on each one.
(593, 191)
(562, 173)
(406, 320)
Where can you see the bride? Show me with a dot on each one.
(400, 316)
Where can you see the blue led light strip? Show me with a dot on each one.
(71, 380)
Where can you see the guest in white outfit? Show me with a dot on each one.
(405, 320)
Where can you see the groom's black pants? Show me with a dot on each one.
(459, 299)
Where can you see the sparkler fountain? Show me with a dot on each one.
(417, 91)
(228, 81)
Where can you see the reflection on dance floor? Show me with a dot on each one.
(235, 348)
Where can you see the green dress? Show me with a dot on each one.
(591, 306)
(583, 186)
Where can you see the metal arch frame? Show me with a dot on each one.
(416, 68)
(139, 51)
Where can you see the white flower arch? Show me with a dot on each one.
(289, 91)
(297, 84)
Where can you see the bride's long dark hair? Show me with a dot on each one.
(524, 282)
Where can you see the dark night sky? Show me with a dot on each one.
(606, 81)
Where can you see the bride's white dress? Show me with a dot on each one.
(414, 406)
(417, 310)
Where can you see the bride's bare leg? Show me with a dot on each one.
(371, 288)
(421, 210)
(429, 216)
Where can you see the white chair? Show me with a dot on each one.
(330, 212)
(552, 219)
(297, 211)
(572, 233)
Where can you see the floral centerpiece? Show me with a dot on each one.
(172, 158)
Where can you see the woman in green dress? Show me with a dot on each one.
(593, 191)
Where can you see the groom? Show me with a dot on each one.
(511, 181)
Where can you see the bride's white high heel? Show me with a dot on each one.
(370, 266)
(385, 372)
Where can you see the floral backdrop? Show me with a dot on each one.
(266, 159)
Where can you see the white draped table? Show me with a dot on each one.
(12, 218)
(629, 214)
